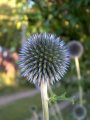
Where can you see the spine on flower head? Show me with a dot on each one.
(44, 57)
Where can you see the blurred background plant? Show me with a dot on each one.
(68, 19)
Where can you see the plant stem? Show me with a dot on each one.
(53, 113)
(57, 108)
(79, 78)
(77, 68)
(56, 105)
(35, 115)
(44, 97)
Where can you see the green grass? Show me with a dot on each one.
(20, 110)
(11, 90)
(20, 87)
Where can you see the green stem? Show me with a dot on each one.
(56, 105)
(79, 78)
(44, 97)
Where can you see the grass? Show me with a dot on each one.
(11, 90)
(22, 86)
(20, 110)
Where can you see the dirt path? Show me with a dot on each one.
(11, 98)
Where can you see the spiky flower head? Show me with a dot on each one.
(44, 57)
(76, 49)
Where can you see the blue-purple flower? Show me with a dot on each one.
(76, 49)
(44, 57)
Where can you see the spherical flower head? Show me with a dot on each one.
(76, 49)
(44, 57)
(79, 112)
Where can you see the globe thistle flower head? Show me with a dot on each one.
(76, 49)
(44, 57)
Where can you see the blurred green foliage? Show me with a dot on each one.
(69, 19)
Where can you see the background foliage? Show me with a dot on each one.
(69, 19)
